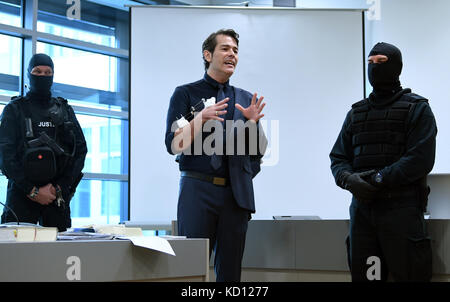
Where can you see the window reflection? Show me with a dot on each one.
(10, 12)
(98, 202)
(94, 22)
(88, 77)
(82, 68)
(104, 142)
(10, 58)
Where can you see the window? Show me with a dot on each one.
(3, 180)
(89, 46)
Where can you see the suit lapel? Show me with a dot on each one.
(239, 98)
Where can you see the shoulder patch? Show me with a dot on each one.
(17, 98)
(360, 103)
(414, 98)
(62, 100)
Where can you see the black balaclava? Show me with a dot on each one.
(40, 85)
(384, 77)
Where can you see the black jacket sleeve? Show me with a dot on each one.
(256, 160)
(11, 145)
(179, 106)
(76, 164)
(255, 139)
(418, 160)
(341, 155)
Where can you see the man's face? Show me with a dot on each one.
(377, 59)
(42, 70)
(223, 61)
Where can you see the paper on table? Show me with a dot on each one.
(172, 237)
(151, 242)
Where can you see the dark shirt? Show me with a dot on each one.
(415, 163)
(185, 97)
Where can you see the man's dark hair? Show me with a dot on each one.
(210, 43)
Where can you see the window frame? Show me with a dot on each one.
(30, 37)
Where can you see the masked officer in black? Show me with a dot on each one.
(383, 154)
(42, 152)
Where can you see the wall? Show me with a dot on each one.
(421, 29)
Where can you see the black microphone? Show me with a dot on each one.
(17, 219)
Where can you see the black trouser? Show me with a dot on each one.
(393, 231)
(209, 211)
(30, 211)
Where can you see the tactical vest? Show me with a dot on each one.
(45, 158)
(379, 135)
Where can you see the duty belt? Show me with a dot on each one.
(402, 192)
(219, 181)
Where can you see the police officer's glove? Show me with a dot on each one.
(358, 186)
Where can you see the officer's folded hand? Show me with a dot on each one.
(359, 187)
(45, 195)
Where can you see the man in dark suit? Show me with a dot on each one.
(217, 166)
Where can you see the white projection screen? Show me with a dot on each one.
(308, 65)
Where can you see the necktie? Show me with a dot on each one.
(216, 160)
(220, 97)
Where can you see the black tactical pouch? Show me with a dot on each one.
(39, 165)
